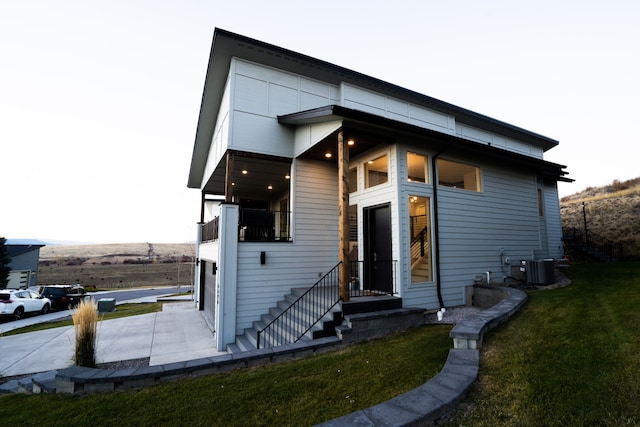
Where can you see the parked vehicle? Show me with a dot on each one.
(17, 303)
(63, 297)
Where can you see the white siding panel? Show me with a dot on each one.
(397, 108)
(309, 101)
(428, 118)
(499, 141)
(374, 103)
(313, 252)
(220, 139)
(266, 74)
(250, 95)
(260, 134)
(209, 251)
(315, 87)
(282, 100)
(307, 136)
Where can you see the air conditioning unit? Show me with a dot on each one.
(540, 272)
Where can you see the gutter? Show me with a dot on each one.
(436, 233)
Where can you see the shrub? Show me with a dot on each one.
(85, 322)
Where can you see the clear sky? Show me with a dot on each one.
(99, 100)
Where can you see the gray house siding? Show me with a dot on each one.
(272, 105)
(300, 263)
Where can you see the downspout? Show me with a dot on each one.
(436, 232)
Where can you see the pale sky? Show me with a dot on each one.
(99, 100)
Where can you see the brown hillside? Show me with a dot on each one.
(612, 212)
(125, 265)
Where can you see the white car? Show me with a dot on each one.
(17, 303)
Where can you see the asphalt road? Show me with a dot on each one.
(120, 295)
(134, 294)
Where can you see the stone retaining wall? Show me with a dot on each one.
(423, 405)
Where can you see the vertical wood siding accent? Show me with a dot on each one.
(314, 250)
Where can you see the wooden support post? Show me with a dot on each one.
(228, 179)
(343, 216)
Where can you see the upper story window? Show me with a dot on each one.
(458, 175)
(417, 168)
(376, 171)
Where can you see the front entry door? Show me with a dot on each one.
(378, 272)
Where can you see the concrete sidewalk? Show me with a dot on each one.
(176, 334)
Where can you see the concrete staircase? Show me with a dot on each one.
(281, 335)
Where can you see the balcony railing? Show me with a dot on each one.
(255, 225)
(258, 225)
(210, 230)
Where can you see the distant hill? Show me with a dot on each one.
(612, 211)
(117, 253)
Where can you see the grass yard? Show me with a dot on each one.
(122, 310)
(570, 357)
(296, 393)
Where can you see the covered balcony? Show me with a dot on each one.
(259, 185)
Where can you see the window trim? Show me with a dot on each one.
(478, 176)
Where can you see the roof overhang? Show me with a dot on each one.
(356, 120)
(227, 45)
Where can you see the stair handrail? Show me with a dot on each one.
(325, 290)
(418, 244)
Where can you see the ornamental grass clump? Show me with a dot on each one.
(85, 322)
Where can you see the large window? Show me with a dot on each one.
(458, 175)
(420, 232)
(376, 171)
(417, 168)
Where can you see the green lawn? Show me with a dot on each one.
(570, 357)
(122, 310)
(296, 393)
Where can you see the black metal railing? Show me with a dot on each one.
(368, 278)
(258, 225)
(594, 245)
(210, 230)
(418, 244)
(303, 313)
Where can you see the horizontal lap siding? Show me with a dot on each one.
(313, 252)
(553, 220)
(475, 226)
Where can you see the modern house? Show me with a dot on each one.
(314, 174)
(24, 255)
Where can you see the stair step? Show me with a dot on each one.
(299, 317)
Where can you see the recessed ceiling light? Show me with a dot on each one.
(244, 172)
(351, 142)
(287, 176)
(269, 187)
(328, 155)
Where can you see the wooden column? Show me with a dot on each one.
(343, 228)
(228, 179)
